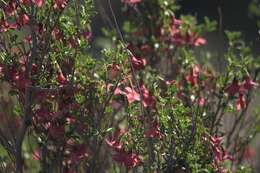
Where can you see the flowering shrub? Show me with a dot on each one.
(151, 103)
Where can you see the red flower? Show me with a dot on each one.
(220, 155)
(114, 140)
(43, 115)
(56, 132)
(148, 99)
(57, 34)
(10, 8)
(184, 38)
(153, 131)
(77, 153)
(193, 76)
(4, 26)
(233, 88)
(113, 71)
(129, 160)
(138, 63)
(61, 79)
(249, 153)
(86, 35)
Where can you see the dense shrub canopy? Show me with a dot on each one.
(149, 101)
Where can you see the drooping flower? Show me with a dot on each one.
(199, 41)
(131, 95)
(1, 69)
(4, 26)
(201, 101)
(56, 132)
(128, 159)
(248, 83)
(87, 35)
(113, 141)
(148, 99)
(241, 102)
(184, 38)
(219, 153)
(249, 153)
(233, 88)
(61, 78)
(77, 152)
(138, 63)
(37, 154)
(57, 34)
(113, 71)
(10, 8)
(193, 75)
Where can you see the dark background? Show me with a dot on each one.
(233, 14)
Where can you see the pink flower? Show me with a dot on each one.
(219, 153)
(131, 95)
(131, 1)
(38, 3)
(184, 38)
(114, 143)
(241, 102)
(23, 19)
(138, 63)
(129, 160)
(193, 76)
(201, 101)
(199, 41)
(1, 69)
(37, 154)
(248, 83)
(176, 22)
